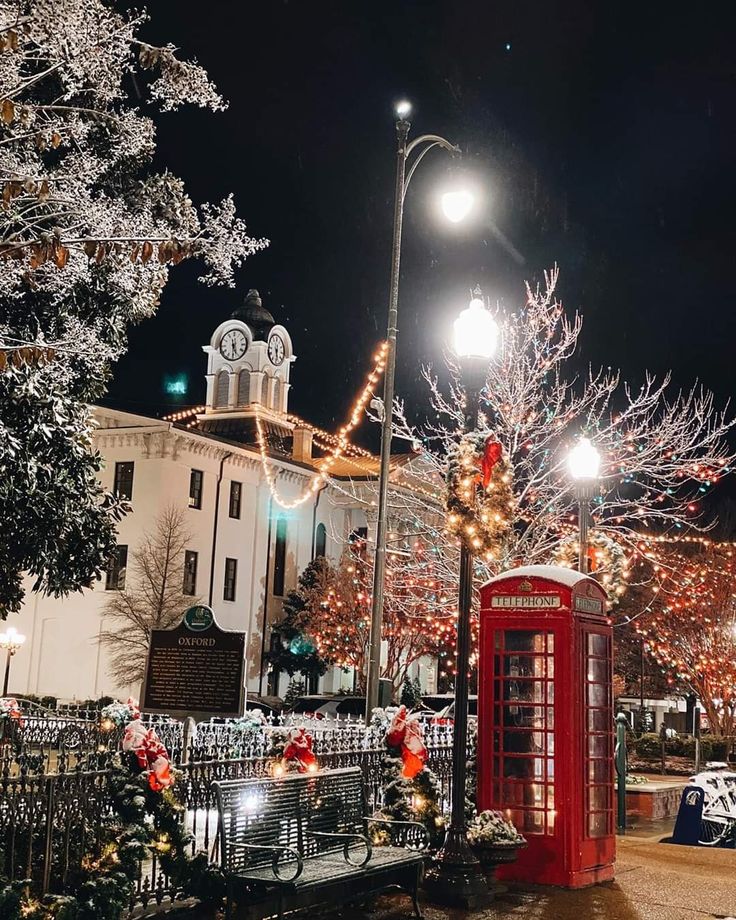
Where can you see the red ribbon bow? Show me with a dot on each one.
(299, 749)
(150, 754)
(405, 733)
(492, 452)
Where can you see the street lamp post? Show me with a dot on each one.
(11, 640)
(584, 462)
(456, 204)
(456, 877)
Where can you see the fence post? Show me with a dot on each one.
(663, 748)
(49, 834)
(622, 766)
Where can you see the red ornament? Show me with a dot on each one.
(492, 452)
(405, 733)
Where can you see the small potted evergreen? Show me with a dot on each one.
(495, 841)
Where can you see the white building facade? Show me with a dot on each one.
(245, 551)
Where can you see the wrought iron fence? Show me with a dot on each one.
(54, 802)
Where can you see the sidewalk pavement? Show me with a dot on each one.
(654, 881)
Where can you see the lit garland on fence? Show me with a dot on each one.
(480, 500)
(340, 447)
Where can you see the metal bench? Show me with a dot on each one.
(296, 841)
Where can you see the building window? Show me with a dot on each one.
(190, 572)
(116, 569)
(123, 486)
(244, 387)
(359, 541)
(320, 540)
(279, 558)
(195, 488)
(231, 571)
(222, 397)
(236, 490)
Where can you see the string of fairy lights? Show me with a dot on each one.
(338, 449)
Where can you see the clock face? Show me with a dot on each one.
(276, 349)
(233, 344)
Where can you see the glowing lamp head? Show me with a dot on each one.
(403, 109)
(457, 204)
(584, 461)
(476, 332)
(11, 638)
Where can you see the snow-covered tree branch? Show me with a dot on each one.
(661, 450)
(88, 235)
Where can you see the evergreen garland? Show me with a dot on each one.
(480, 516)
(415, 799)
(145, 822)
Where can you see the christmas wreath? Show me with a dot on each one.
(480, 498)
(607, 561)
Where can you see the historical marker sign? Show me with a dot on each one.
(195, 669)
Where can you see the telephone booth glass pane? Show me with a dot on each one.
(524, 719)
(598, 730)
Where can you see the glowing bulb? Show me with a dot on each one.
(457, 204)
(584, 460)
(476, 332)
(403, 109)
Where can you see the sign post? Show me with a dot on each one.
(196, 669)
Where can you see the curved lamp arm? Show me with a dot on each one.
(430, 141)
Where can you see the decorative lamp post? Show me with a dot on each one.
(584, 463)
(11, 640)
(456, 877)
(456, 204)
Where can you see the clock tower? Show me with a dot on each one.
(248, 363)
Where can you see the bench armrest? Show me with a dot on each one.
(277, 851)
(409, 825)
(346, 848)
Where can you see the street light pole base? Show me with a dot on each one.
(457, 886)
(456, 878)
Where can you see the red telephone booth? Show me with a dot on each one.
(545, 722)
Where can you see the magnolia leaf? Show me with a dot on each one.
(3, 360)
(146, 251)
(40, 141)
(134, 252)
(43, 191)
(8, 111)
(90, 248)
(61, 254)
(101, 253)
(30, 186)
(55, 139)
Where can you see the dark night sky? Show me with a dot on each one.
(604, 139)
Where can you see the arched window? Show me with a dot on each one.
(244, 387)
(320, 540)
(222, 396)
(276, 395)
(279, 558)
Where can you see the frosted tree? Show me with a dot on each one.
(327, 620)
(153, 597)
(88, 235)
(687, 621)
(661, 451)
